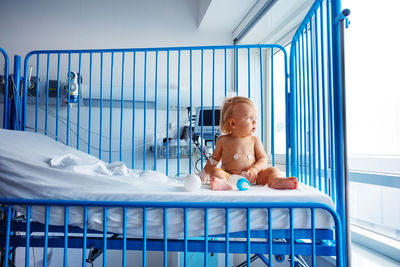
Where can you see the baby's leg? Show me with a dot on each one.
(219, 179)
(273, 178)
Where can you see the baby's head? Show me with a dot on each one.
(228, 109)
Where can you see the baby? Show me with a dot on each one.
(241, 153)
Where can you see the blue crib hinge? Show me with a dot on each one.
(343, 16)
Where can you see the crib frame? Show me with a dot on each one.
(331, 242)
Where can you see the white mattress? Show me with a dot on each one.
(26, 172)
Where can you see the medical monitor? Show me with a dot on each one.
(206, 117)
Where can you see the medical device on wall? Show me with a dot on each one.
(210, 126)
(32, 83)
(73, 81)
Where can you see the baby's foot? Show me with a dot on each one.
(220, 184)
(284, 183)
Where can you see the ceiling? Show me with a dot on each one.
(222, 15)
(253, 21)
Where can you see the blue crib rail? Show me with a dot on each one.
(6, 103)
(130, 100)
(317, 139)
(154, 83)
(32, 234)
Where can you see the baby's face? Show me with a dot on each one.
(245, 119)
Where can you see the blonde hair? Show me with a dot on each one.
(227, 111)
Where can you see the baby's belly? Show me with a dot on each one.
(237, 167)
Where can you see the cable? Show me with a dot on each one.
(65, 122)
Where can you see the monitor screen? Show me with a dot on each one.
(208, 130)
(208, 117)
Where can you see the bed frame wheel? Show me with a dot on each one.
(279, 258)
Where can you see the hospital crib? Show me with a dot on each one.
(130, 104)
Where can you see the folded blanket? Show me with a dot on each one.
(91, 167)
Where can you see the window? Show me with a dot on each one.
(373, 115)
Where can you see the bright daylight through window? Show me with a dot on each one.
(373, 115)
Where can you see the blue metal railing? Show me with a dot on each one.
(158, 85)
(81, 237)
(316, 114)
(6, 112)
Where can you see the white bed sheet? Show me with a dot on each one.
(26, 172)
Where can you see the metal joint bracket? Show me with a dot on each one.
(343, 16)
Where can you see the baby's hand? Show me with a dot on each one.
(250, 174)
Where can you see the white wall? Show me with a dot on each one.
(77, 24)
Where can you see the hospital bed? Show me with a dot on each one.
(101, 109)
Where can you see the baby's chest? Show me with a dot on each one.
(239, 153)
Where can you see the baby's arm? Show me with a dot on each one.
(261, 160)
(216, 156)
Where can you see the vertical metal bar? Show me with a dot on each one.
(7, 249)
(305, 109)
(122, 106)
(155, 111)
(66, 219)
(58, 94)
(272, 109)
(167, 148)
(309, 110)
(318, 100)
(144, 236)
(225, 73)
(68, 97)
(292, 238)
(325, 153)
(248, 236)
(6, 121)
(105, 236)
(133, 108)
(237, 71)
(331, 103)
(111, 108)
(191, 110)
(300, 111)
(85, 221)
(226, 237)
(262, 97)
(125, 217)
(79, 101)
(178, 160)
(297, 77)
(47, 94)
(287, 118)
(248, 71)
(313, 73)
(205, 237)
(165, 237)
(145, 108)
(270, 234)
(185, 233)
(340, 127)
(213, 99)
(90, 100)
(46, 235)
(340, 260)
(37, 91)
(201, 104)
(28, 234)
(101, 103)
(313, 236)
